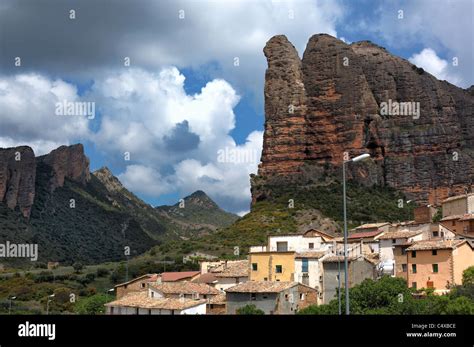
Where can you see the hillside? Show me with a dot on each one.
(75, 216)
(195, 215)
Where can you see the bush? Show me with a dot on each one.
(102, 272)
(77, 266)
(92, 305)
(249, 310)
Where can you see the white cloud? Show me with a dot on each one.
(27, 113)
(429, 61)
(174, 138)
(445, 26)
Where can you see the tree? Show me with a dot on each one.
(460, 305)
(468, 276)
(92, 305)
(249, 309)
(77, 266)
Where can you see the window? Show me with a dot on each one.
(278, 269)
(413, 285)
(254, 267)
(143, 285)
(434, 252)
(149, 311)
(435, 234)
(413, 268)
(265, 278)
(152, 294)
(253, 296)
(404, 267)
(435, 268)
(311, 245)
(404, 251)
(413, 254)
(454, 222)
(393, 240)
(302, 296)
(304, 265)
(282, 246)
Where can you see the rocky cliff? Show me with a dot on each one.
(18, 173)
(17, 178)
(357, 99)
(67, 162)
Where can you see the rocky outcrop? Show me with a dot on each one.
(67, 162)
(17, 178)
(343, 98)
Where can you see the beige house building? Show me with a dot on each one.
(436, 264)
(135, 285)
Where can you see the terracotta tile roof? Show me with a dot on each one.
(435, 244)
(310, 254)
(141, 300)
(338, 258)
(178, 276)
(364, 234)
(373, 258)
(205, 278)
(219, 299)
(454, 216)
(261, 287)
(372, 225)
(147, 278)
(184, 288)
(468, 216)
(237, 268)
(452, 198)
(400, 234)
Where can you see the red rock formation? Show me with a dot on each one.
(337, 91)
(67, 162)
(18, 173)
(17, 178)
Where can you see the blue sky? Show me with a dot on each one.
(183, 99)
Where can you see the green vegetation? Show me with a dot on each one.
(390, 295)
(249, 310)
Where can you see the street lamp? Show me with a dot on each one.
(10, 308)
(47, 303)
(346, 265)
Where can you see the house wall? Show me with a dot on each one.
(454, 207)
(424, 270)
(227, 282)
(459, 227)
(132, 287)
(314, 271)
(359, 270)
(297, 243)
(266, 266)
(463, 257)
(285, 302)
(199, 309)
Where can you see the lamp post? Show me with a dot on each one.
(346, 262)
(10, 307)
(47, 303)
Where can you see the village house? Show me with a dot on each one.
(437, 264)
(272, 266)
(231, 273)
(388, 247)
(309, 240)
(140, 303)
(135, 285)
(359, 268)
(367, 235)
(271, 297)
(458, 215)
(309, 269)
(185, 289)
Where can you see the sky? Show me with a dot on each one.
(176, 87)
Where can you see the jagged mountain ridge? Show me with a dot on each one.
(73, 215)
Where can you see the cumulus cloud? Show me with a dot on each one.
(28, 113)
(174, 139)
(429, 61)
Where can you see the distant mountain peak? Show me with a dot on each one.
(106, 176)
